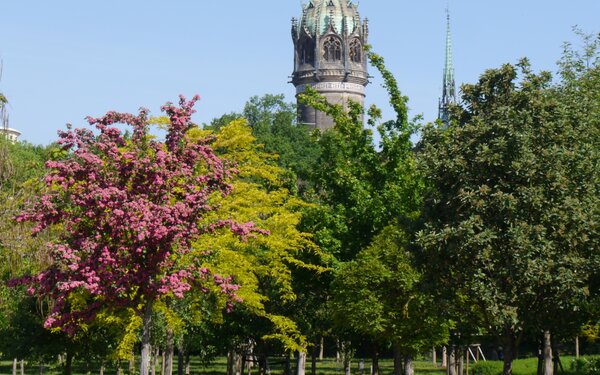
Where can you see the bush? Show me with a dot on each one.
(586, 366)
(487, 368)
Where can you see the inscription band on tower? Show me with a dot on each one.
(333, 87)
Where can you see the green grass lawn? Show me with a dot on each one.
(219, 367)
(325, 367)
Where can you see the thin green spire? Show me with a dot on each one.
(449, 85)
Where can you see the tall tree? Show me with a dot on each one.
(130, 209)
(363, 188)
(512, 214)
(377, 295)
(262, 266)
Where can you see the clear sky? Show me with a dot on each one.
(66, 59)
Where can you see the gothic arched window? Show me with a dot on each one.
(307, 53)
(332, 49)
(355, 51)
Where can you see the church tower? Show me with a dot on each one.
(449, 86)
(328, 56)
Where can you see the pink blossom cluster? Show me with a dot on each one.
(130, 208)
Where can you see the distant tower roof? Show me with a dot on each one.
(449, 85)
(319, 15)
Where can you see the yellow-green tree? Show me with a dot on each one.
(261, 265)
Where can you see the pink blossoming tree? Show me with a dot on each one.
(129, 208)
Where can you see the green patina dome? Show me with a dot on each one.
(320, 13)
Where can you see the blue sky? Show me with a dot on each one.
(64, 60)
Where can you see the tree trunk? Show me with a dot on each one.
(434, 357)
(375, 361)
(347, 365)
(187, 363)
(146, 324)
(288, 364)
(68, 366)
(347, 357)
(409, 367)
(301, 364)
(180, 358)
(119, 372)
(234, 362)
(14, 367)
(451, 367)
(397, 359)
(162, 363)
(169, 353)
(461, 361)
(548, 365)
(508, 353)
(444, 357)
(321, 348)
(102, 368)
(577, 347)
(313, 361)
(154, 361)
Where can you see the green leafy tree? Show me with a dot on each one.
(378, 295)
(512, 214)
(363, 188)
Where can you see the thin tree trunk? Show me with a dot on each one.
(347, 365)
(444, 357)
(409, 367)
(461, 361)
(577, 347)
(375, 361)
(509, 350)
(434, 357)
(14, 367)
(347, 357)
(187, 363)
(180, 358)
(267, 366)
(22, 367)
(102, 368)
(146, 323)
(548, 366)
(119, 371)
(68, 366)
(154, 360)
(397, 359)
(288, 365)
(169, 353)
(451, 367)
(162, 363)
(313, 361)
(234, 362)
(301, 364)
(321, 348)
